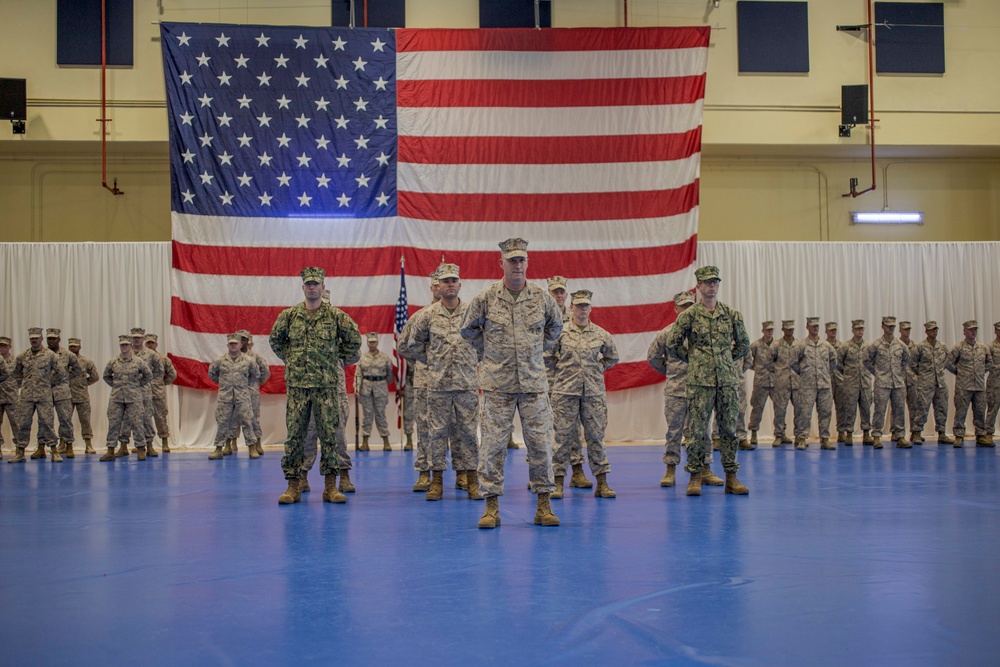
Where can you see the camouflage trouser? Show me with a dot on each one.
(963, 398)
(911, 401)
(780, 398)
(228, 414)
(851, 399)
(936, 395)
(125, 420)
(160, 416)
(10, 409)
(409, 411)
(884, 397)
(451, 417)
(497, 423)
(146, 418)
(320, 403)
(373, 406)
(741, 419)
(64, 416)
(83, 413)
(312, 439)
(701, 402)
(805, 399)
(568, 413)
(26, 411)
(992, 408)
(418, 395)
(675, 409)
(757, 401)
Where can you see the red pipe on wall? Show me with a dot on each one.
(104, 120)
(626, 13)
(871, 103)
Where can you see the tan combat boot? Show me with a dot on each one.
(39, 452)
(436, 489)
(70, 454)
(670, 477)
(165, 447)
(291, 494)
(867, 439)
(234, 444)
(150, 450)
(108, 455)
(227, 449)
(984, 441)
(423, 481)
(694, 486)
(122, 452)
(18, 455)
(824, 443)
(472, 484)
(800, 443)
(491, 517)
(579, 480)
(959, 439)
(408, 447)
(331, 494)
(558, 493)
(364, 444)
(304, 482)
(734, 486)
(543, 512)
(345, 481)
(89, 448)
(716, 443)
(259, 447)
(61, 448)
(916, 437)
(710, 478)
(55, 454)
(753, 437)
(848, 438)
(217, 454)
(903, 443)
(460, 482)
(777, 441)
(945, 439)
(746, 444)
(510, 442)
(603, 490)
(141, 452)
(877, 442)
(386, 447)
(252, 450)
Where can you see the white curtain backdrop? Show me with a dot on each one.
(96, 291)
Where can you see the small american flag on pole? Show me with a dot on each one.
(402, 314)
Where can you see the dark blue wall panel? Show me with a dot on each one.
(78, 32)
(773, 36)
(381, 13)
(514, 14)
(912, 41)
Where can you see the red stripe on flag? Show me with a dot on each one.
(193, 373)
(551, 39)
(549, 93)
(514, 207)
(476, 265)
(549, 150)
(629, 375)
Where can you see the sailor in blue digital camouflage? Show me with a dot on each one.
(235, 373)
(264, 371)
(675, 406)
(905, 329)
(79, 387)
(311, 338)
(970, 362)
(452, 391)
(511, 324)
(888, 361)
(763, 350)
(711, 337)
(579, 359)
(159, 389)
(558, 286)
(8, 392)
(371, 385)
(993, 384)
(831, 338)
(928, 364)
(815, 362)
(854, 387)
(62, 395)
(785, 382)
(126, 374)
(36, 371)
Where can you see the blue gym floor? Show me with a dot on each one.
(854, 557)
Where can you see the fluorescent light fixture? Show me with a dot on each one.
(888, 218)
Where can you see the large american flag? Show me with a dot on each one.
(349, 148)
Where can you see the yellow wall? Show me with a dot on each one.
(774, 167)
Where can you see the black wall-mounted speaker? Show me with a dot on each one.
(854, 105)
(13, 99)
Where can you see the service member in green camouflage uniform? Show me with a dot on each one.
(310, 338)
(8, 392)
(928, 363)
(126, 374)
(579, 360)
(711, 337)
(452, 393)
(36, 371)
(558, 286)
(815, 362)
(79, 387)
(855, 386)
(970, 362)
(235, 373)
(159, 390)
(62, 395)
(785, 382)
(993, 384)
(511, 324)
(764, 351)
(888, 360)
(371, 385)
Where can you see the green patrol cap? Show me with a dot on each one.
(707, 273)
(312, 274)
(582, 296)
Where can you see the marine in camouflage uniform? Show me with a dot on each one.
(80, 392)
(62, 395)
(264, 374)
(159, 390)
(831, 338)
(152, 360)
(579, 359)
(36, 371)
(854, 386)
(557, 286)
(911, 378)
(675, 407)
(888, 360)
(711, 337)
(815, 362)
(8, 391)
(928, 364)
(993, 384)
(785, 381)
(235, 373)
(763, 351)
(311, 337)
(511, 324)
(970, 362)
(371, 384)
(451, 395)
(416, 396)
(126, 374)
